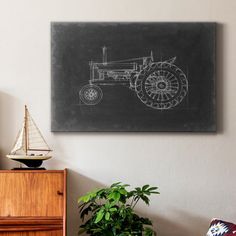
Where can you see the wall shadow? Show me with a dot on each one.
(77, 185)
(186, 224)
(11, 113)
(182, 224)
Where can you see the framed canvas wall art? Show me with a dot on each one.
(114, 76)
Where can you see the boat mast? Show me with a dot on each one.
(26, 130)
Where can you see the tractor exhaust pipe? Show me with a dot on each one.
(104, 55)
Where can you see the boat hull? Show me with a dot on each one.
(30, 161)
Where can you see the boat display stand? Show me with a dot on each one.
(18, 168)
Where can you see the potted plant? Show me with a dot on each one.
(110, 211)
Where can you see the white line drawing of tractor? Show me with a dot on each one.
(159, 85)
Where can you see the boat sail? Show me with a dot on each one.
(30, 147)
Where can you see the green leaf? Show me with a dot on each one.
(145, 221)
(111, 196)
(99, 217)
(125, 185)
(152, 188)
(113, 209)
(148, 232)
(81, 199)
(115, 196)
(145, 187)
(87, 197)
(115, 184)
(155, 192)
(107, 216)
(145, 199)
(138, 189)
(123, 191)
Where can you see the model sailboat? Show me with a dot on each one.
(30, 147)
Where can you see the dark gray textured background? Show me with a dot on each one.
(75, 44)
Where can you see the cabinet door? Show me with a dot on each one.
(32, 193)
(33, 233)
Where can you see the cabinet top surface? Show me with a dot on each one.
(32, 171)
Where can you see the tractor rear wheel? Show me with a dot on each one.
(161, 86)
(90, 94)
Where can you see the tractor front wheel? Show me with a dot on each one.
(90, 94)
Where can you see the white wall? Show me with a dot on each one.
(195, 172)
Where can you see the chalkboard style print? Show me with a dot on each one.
(133, 76)
(159, 85)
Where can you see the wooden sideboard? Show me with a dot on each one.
(33, 203)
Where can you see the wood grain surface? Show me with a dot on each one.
(31, 194)
(32, 203)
